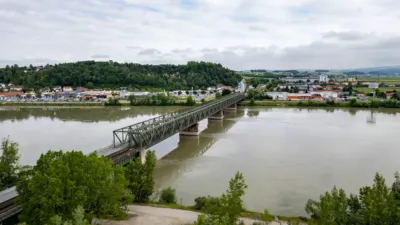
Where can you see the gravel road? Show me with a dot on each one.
(147, 215)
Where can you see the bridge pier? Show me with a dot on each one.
(191, 131)
(231, 108)
(217, 116)
(142, 155)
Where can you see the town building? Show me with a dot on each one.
(10, 95)
(16, 88)
(323, 78)
(242, 85)
(68, 89)
(373, 85)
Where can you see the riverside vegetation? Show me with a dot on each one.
(76, 189)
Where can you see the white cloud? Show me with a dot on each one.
(240, 34)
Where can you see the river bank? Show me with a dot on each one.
(52, 104)
(155, 215)
(120, 103)
(246, 214)
(391, 104)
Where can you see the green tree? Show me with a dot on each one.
(218, 94)
(89, 85)
(28, 95)
(8, 164)
(179, 92)
(375, 205)
(78, 218)
(131, 99)
(395, 96)
(230, 204)
(140, 177)
(60, 182)
(38, 94)
(353, 102)
(168, 195)
(190, 101)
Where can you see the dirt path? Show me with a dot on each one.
(147, 215)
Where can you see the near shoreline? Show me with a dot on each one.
(256, 216)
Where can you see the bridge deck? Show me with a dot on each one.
(8, 194)
(111, 150)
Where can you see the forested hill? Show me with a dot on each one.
(113, 74)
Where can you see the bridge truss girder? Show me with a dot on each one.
(145, 138)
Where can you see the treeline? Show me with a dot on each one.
(378, 204)
(198, 75)
(352, 73)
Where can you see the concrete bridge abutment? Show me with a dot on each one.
(191, 131)
(217, 116)
(142, 155)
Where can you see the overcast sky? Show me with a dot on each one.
(240, 34)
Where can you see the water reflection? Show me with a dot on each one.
(252, 113)
(371, 118)
(82, 114)
(179, 159)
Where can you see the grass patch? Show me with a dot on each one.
(268, 103)
(368, 90)
(169, 206)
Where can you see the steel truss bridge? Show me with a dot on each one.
(128, 140)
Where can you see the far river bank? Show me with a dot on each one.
(375, 104)
(390, 104)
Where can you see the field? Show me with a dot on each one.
(368, 90)
(388, 80)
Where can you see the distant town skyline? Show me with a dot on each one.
(322, 34)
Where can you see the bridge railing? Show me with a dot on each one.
(120, 136)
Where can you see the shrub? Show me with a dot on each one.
(201, 202)
(190, 101)
(217, 95)
(252, 103)
(112, 102)
(168, 195)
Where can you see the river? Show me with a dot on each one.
(287, 155)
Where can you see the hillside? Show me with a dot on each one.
(113, 74)
(381, 70)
